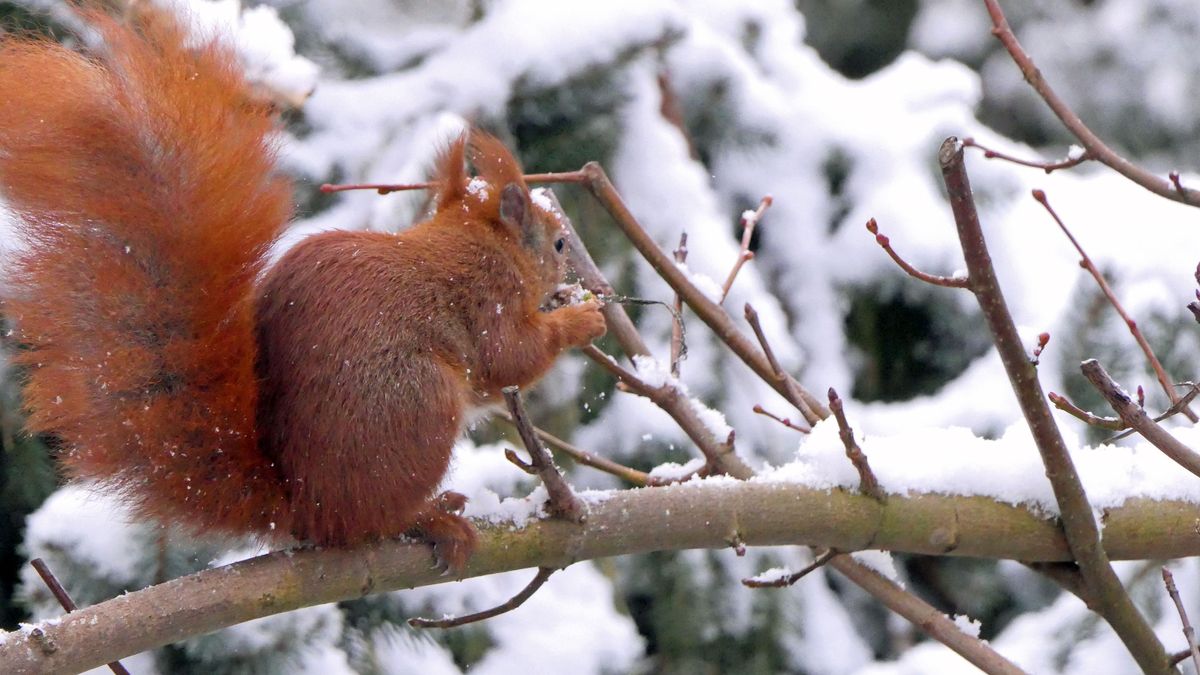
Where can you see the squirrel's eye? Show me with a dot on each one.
(559, 243)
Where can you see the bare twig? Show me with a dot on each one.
(749, 221)
(1087, 264)
(907, 605)
(868, 484)
(936, 280)
(791, 579)
(64, 599)
(1189, 633)
(720, 453)
(709, 312)
(1063, 404)
(1137, 419)
(677, 325)
(1091, 143)
(563, 502)
(543, 575)
(1079, 524)
(925, 617)
(758, 409)
(583, 456)
(388, 188)
(381, 188)
(780, 375)
(1048, 167)
(1185, 400)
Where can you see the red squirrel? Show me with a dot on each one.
(318, 397)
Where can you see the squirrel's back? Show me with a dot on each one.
(143, 184)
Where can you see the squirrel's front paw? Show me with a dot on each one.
(583, 323)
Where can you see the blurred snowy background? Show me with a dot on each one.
(698, 109)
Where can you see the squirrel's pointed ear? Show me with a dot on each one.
(516, 210)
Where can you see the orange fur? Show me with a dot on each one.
(144, 184)
(324, 402)
(411, 331)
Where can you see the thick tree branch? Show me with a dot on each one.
(1079, 525)
(703, 514)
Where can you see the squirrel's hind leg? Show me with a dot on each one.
(453, 537)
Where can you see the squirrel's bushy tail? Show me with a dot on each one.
(142, 180)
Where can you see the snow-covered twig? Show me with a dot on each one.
(698, 514)
(1079, 524)
(1074, 158)
(766, 580)
(1091, 143)
(543, 575)
(1136, 418)
(868, 484)
(1087, 264)
(1189, 633)
(563, 502)
(749, 221)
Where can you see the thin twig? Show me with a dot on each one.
(721, 454)
(782, 420)
(749, 221)
(677, 353)
(781, 376)
(920, 613)
(1048, 167)
(1136, 418)
(64, 599)
(563, 502)
(1091, 143)
(584, 457)
(868, 484)
(886, 244)
(381, 188)
(1087, 264)
(1184, 401)
(1189, 633)
(709, 312)
(791, 579)
(925, 617)
(388, 188)
(1062, 403)
(1079, 524)
(543, 574)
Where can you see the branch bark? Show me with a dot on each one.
(704, 514)
(1137, 419)
(1079, 525)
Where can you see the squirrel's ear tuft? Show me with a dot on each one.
(450, 172)
(493, 162)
